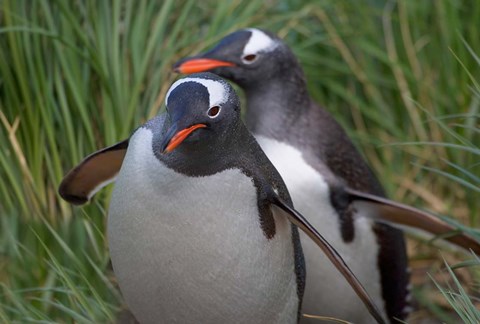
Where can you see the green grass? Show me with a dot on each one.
(457, 296)
(76, 76)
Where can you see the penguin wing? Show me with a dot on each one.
(93, 173)
(396, 214)
(296, 218)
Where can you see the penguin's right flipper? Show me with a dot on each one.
(93, 173)
(396, 214)
(296, 218)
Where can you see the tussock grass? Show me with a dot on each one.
(75, 76)
(457, 296)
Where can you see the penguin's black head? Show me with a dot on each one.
(246, 56)
(203, 108)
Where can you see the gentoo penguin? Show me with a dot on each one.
(103, 166)
(198, 222)
(314, 155)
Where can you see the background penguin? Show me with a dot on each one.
(197, 226)
(313, 154)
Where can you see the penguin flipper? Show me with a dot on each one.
(92, 174)
(393, 213)
(296, 218)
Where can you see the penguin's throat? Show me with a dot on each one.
(196, 159)
(276, 108)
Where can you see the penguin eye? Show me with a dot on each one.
(213, 111)
(250, 58)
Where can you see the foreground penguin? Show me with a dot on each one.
(314, 156)
(198, 223)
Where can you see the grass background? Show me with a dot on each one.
(75, 76)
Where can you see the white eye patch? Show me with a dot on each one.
(259, 42)
(217, 91)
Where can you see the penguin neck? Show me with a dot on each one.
(276, 105)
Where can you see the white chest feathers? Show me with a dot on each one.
(191, 250)
(326, 291)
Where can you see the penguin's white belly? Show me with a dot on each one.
(326, 292)
(191, 250)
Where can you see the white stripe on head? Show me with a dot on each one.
(217, 90)
(259, 42)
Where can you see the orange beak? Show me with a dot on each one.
(179, 137)
(200, 65)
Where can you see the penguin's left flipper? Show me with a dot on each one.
(93, 173)
(296, 218)
(393, 213)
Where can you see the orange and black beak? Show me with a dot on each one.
(199, 64)
(175, 137)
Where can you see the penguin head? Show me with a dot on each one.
(245, 57)
(203, 109)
